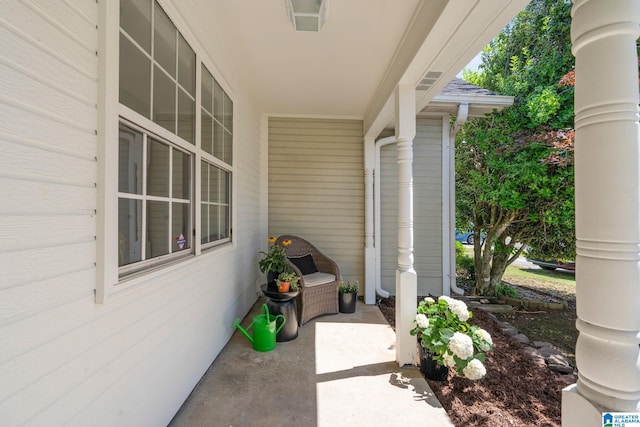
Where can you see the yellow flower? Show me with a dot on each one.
(286, 242)
(272, 239)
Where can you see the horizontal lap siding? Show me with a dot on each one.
(48, 122)
(65, 360)
(427, 209)
(316, 187)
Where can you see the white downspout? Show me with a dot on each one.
(370, 278)
(461, 118)
(379, 144)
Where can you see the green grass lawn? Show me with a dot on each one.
(555, 326)
(542, 279)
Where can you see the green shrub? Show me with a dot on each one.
(459, 250)
(465, 266)
(506, 290)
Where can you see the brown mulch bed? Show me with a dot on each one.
(515, 392)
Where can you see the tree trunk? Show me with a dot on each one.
(498, 267)
(493, 255)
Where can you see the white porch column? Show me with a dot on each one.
(369, 249)
(406, 278)
(607, 170)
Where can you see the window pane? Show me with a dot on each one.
(204, 219)
(225, 187)
(224, 222)
(135, 78)
(218, 141)
(130, 161)
(164, 100)
(186, 117)
(157, 169)
(181, 174)
(164, 41)
(135, 19)
(204, 180)
(157, 229)
(129, 231)
(215, 183)
(214, 227)
(227, 149)
(218, 101)
(206, 124)
(180, 227)
(186, 66)
(207, 90)
(228, 113)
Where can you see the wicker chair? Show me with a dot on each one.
(318, 290)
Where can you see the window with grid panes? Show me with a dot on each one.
(156, 173)
(216, 117)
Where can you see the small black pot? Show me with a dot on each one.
(271, 281)
(347, 302)
(429, 368)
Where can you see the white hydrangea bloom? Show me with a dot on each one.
(460, 309)
(448, 360)
(429, 300)
(474, 370)
(446, 298)
(422, 321)
(461, 345)
(485, 337)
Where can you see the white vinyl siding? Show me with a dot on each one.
(316, 187)
(427, 209)
(64, 359)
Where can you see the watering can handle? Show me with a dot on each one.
(284, 320)
(265, 310)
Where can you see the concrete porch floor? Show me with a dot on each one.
(339, 371)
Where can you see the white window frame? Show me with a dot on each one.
(110, 283)
(146, 261)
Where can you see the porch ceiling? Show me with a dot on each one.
(351, 67)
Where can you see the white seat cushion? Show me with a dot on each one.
(318, 278)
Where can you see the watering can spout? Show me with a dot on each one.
(236, 323)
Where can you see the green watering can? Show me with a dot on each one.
(264, 329)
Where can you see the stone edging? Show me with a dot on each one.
(531, 304)
(542, 353)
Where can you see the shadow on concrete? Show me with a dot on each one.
(340, 370)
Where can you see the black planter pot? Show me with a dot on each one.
(347, 302)
(271, 281)
(429, 368)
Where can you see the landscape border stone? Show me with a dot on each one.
(541, 352)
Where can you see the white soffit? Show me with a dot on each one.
(351, 66)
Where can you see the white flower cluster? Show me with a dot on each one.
(448, 360)
(429, 300)
(474, 370)
(461, 345)
(457, 307)
(485, 338)
(422, 321)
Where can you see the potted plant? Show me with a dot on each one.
(274, 262)
(288, 280)
(448, 340)
(347, 296)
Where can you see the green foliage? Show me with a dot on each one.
(348, 287)
(291, 277)
(442, 326)
(465, 266)
(514, 169)
(506, 290)
(275, 260)
(459, 249)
